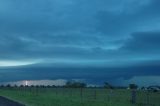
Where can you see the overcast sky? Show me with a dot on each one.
(102, 33)
(112, 40)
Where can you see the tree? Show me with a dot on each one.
(48, 86)
(8, 85)
(32, 86)
(21, 86)
(72, 84)
(108, 86)
(15, 86)
(68, 84)
(79, 85)
(143, 88)
(133, 86)
(37, 86)
(53, 86)
(2, 86)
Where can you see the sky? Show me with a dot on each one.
(79, 35)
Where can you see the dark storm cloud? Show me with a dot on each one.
(134, 17)
(89, 39)
(144, 42)
(79, 33)
(90, 74)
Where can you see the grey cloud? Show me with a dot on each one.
(75, 29)
(143, 42)
(124, 22)
(82, 34)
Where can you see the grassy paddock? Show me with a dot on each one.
(79, 97)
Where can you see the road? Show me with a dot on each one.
(6, 102)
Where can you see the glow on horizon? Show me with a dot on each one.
(9, 63)
(26, 83)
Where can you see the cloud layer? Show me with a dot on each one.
(80, 32)
(78, 29)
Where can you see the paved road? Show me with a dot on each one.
(7, 102)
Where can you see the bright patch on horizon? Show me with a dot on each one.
(8, 63)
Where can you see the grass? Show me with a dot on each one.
(79, 97)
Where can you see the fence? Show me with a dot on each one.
(88, 96)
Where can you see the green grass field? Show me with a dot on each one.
(79, 97)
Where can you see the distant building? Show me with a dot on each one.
(154, 88)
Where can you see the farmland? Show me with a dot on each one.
(32, 96)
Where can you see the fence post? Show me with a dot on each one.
(63, 91)
(95, 94)
(108, 95)
(56, 91)
(147, 97)
(81, 93)
(133, 96)
(71, 92)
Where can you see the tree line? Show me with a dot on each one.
(73, 84)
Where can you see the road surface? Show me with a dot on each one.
(6, 102)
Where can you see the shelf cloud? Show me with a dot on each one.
(79, 33)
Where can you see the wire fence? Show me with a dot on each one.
(86, 96)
